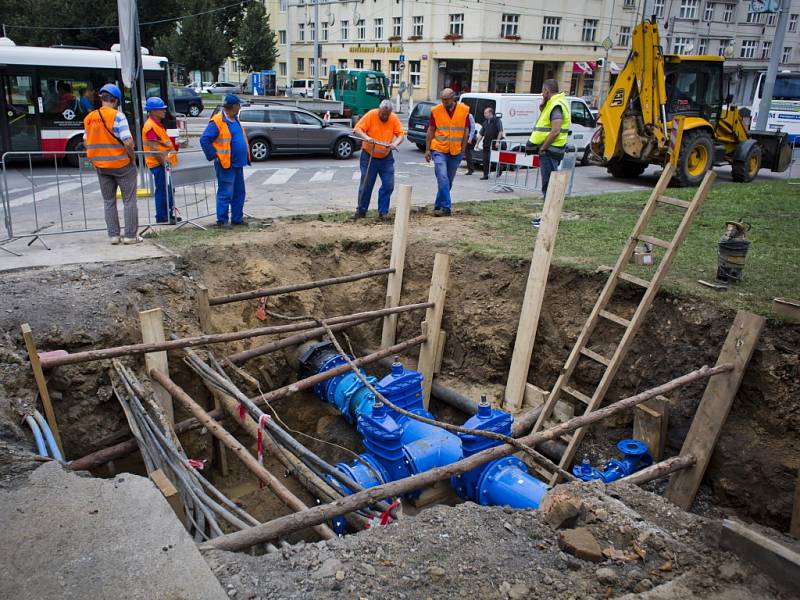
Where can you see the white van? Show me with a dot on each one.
(303, 88)
(519, 113)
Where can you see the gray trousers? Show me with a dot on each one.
(125, 178)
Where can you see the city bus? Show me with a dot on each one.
(784, 110)
(46, 92)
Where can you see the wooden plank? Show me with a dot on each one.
(433, 323)
(794, 527)
(650, 425)
(394, 284)
(674, 201)
(634, 279)
(714, 407)
(576, 394)
(595, 356)
(437, 367)
(654, 241)
(787, 307)
(41, 384)
(615, 318)
(534, 396)
(534, 292)
(152, 324)
(204, 309)
(169, 491)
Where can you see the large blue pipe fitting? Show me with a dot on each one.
(635, 457)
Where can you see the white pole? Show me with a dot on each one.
(288, 48)
(772, 70)
(316, 49)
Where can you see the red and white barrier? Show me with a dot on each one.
(519, 159)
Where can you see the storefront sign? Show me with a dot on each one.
(378, 49)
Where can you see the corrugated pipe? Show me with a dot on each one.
(37, 435)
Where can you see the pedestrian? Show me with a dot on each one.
(225, 142)
(448, 129)
(549, 136)
(379, 125)
(161, 152)
(472, 138)
(491, 131)
(109, 147)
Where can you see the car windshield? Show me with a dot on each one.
(422, 111)
(375, 85)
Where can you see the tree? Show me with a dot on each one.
(197, 42)
(256, 46)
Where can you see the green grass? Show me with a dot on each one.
(598, 235)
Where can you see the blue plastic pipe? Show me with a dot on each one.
(37, 435)
(48, 435)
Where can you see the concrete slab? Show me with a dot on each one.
(71, 537)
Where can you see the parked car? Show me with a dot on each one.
(187, 101)
(276, 129)
(223, 87)
(303, 87)
(418, 123)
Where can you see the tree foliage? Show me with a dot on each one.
(256, 46)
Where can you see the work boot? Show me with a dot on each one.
(359, 215)
(441, 212)
(134, 240)
(115, 239)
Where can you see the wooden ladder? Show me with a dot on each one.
(631, 327)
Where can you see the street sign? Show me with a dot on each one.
(402, 65)
(607, 43)
(402, 58)
(764, 6)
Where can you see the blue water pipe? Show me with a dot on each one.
(635, 457)
(37, 436)
(48, 436)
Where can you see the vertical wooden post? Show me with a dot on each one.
(433, 324)
(437, 367)
(650, 425)
(169, 491)
(534, 292)
(203, 309)
(41, 384)
(397, 261)
(794, 527)
(152, 324)
(714, 407)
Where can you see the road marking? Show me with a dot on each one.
(280, 176)
(322, 176)
(44, 195)
(356, 175)
(248, 172)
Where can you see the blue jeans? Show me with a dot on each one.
(548, 163)
(379, 166)
(445, 166)
(165, 199)
(230, 193)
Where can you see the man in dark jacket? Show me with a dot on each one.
(492, 130)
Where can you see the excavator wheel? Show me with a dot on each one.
(744, 171)
(626, 169)
(695, 159)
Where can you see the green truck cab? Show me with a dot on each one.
(360, 90)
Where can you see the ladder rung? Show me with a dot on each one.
(595, 356)
(566, 438)
(654, 241)
(674, 201)
(576, 394)
(634, 279)
(616, 319)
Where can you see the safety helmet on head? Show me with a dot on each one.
(112, 90)
(154, 103)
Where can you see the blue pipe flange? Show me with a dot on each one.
(506, 482)
(367, 476)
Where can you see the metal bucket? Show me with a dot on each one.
(732, 254)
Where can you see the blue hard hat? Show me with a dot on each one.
(112, 90)
(231, 100)
(154, 103)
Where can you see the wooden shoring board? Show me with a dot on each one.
(714, 407)
(433, 324)
(41, 384)
(650, 425)
(152, 324)
(394, 283)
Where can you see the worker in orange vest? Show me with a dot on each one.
(161, 153)
(448, 130)
(109, 146)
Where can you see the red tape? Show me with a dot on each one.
(197, 464)
(242, 412)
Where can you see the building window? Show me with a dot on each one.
(313, 67)
(724, 44)
(342, 63)
(324, 67)
(301, 32)
(680, 45)
(414, 73)
(551, 27)
(283, 5)
(358, 63)
(361, 29)
(708, 15)
(323, 32)
(771, 18)
(755, 17)
(282, 36)
(509, 25)
(312, 31)
(727, 14)
(375, 65)
(301, 64)
(344, 30)
(658, 8)
(378, 29)
(628, 4)
(787, 55)
(793, 22)
(394, 72)
(702, 46)
(589, 30)
(417, 26)
(748, 49)
(282, 69)
(457, 24)
(397, 26)
(624, 38)
(766, 49)
(688, 9)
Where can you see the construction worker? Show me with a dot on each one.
(448, 130)
(382, 133)
(109, 146)
(549, 136)
(225, 142)
(162, 151)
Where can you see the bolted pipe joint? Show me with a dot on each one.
(635, 456)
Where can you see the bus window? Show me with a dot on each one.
(65, 100)
(21, 112)
(787, 88)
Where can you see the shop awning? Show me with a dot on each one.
(582, 67)
(615, 68)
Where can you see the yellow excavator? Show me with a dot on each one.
(671, 108)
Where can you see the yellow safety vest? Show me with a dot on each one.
(449, 131)
(542, 129)
(163, 144)
(222, 144)
(102, 146)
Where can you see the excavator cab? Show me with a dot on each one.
(694, 87)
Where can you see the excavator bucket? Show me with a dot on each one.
(776, 152)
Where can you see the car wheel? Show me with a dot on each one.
(343, 148)
(421, 147)
(76, 144)
(194, 110)
(260, 149)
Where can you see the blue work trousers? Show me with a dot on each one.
(165, 198)
(369, 173)
(230, 193)
(547, 164)
(445, 166)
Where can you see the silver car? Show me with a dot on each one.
(275, 129)
(223, 87)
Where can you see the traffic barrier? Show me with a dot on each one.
(516, 170)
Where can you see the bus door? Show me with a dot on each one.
(20, 122)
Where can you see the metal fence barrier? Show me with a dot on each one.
(516, 170)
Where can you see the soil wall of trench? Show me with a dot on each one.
(754, 467)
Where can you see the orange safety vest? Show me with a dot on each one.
(103, 148)
(222, 144)
(449, 131)
(163, 144)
